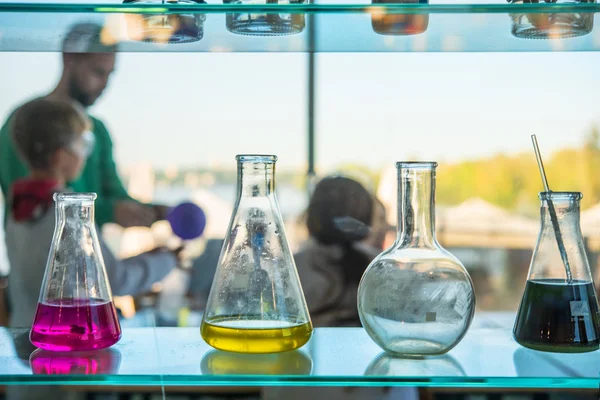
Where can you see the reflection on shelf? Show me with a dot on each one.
(532, 364)
(551, 26)
(165, 28)
(389, 23)
(440, 366)
(223, 363)
(79, 363)
(265, 24)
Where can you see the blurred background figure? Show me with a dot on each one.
(87, 67)
(52, 136)
(382, 234)
(203, 272)
(341, 245)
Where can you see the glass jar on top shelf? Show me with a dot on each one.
(167, 28)
(399, 24)
(551, 25)
(266, 23)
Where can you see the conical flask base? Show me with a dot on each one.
(75, 325)
(557, 316)
(255, 335)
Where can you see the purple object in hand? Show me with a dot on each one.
(187, 220)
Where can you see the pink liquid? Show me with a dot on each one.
(75, 325)
(75, 363)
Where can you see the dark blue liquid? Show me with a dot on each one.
(558, 317)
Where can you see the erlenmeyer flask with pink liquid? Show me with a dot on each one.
(75, 310)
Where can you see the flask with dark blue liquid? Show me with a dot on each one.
(559, 308)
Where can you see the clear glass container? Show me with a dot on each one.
(416, 298)
(75, 310)
(559, 308)
(265, 23)
(256, 303)
(395, 24)
(551, 25)
(165, 28)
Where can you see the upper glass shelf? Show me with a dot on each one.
(310, 26)
(486, 357)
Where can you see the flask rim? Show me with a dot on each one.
(416, 164)
(72, 196)
(256, 158)
(560, 196)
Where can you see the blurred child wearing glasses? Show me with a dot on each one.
(53, 138)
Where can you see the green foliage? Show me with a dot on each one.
(509, 181)
(513, 182)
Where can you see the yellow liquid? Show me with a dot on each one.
(255, 336)
(225, 363)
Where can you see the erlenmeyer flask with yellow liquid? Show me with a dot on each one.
(256, 303)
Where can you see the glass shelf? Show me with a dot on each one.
(321, 26)
(486, 358)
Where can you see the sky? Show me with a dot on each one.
(373, 109)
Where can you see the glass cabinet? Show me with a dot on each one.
(331, 87)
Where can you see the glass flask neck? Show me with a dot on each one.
(566, 207)
(256, 175)
(559, 253)
(75, 206)
(416, 207)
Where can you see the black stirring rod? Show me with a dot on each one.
(553, 218)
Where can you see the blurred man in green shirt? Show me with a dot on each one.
(87, 66)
